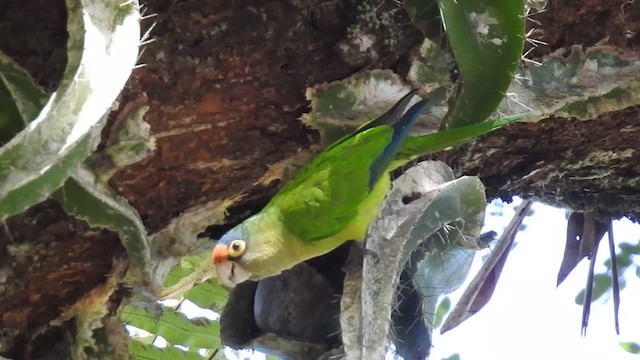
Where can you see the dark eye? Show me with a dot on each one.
(236, 248)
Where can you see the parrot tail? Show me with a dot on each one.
(401, 129)
(418, 146)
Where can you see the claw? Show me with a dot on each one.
(364, 251)
(372, 253)
(368, 252)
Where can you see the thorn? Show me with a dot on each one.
(520, 77)
(535, 21)
(147, 33)
(514, 97)
(538, 12)
(7, 231)
(537, 63)
(140, 54)
(145, 17)
(532, 41)
(147, 42)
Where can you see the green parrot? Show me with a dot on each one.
(333, 198)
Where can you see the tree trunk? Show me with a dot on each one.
(222, 87)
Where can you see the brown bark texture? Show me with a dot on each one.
(225, 82)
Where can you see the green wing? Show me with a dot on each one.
(323, 197)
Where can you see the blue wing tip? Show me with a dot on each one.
(401, 131)
(414, 111)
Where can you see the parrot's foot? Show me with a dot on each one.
(364, 252)
(368, 252)
(372, 253)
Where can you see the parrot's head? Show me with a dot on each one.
(247, 253)
(229, 256)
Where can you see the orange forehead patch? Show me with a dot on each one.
(220, 254)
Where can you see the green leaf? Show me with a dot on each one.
(455, 356)
(20, 98)
(431, 68)
(487, 39)
(84, 197)
(577, 82)
(174, 326)
(209, 295)
(633, 249)
(442, 310)
(185, 267)
(40, 158)
(418, 146)
(140, 351)
(601, 284)
(623, 261)
(631, 347)
(340, 107)
(146, 338)
(191, 279)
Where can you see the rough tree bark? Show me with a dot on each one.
(224, 84)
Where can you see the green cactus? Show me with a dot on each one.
(440, 273)
(39, 159)
(20, 98)
(431, 69)
(396, 233)
(576, 83)
(487, 39)
(342, 106)
(127, 144)
(84, 197)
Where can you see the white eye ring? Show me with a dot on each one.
(237, 248)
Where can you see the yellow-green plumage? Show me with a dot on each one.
(335, 197)
(278, 249)
(329, 201)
